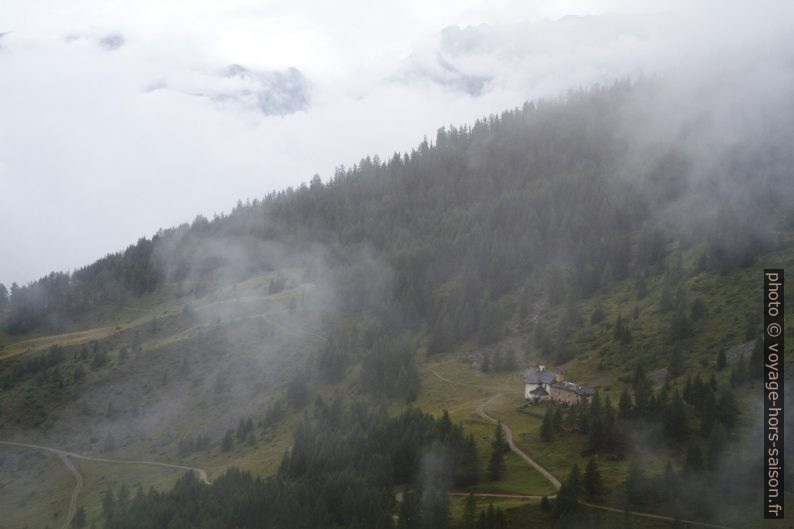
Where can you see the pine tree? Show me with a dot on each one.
(722, 360)
(496, 465)
(727, 409)
(241, 431)
(228, 442)
(676, 365)
(557, 420)
(708, 411)
(470, 466)
(469, 520)
(593, 485)
(547, 427)
(625, 404)
(567, 501)
(3, 297)
(675, 419)
(619, 331)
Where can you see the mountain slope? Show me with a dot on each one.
(576, 232)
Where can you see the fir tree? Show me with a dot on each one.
(547, 427)
(496, 465)
(557, 419)
(722, 360)
(469, 519)
(625, 404)
(593, 485)
(228, 441)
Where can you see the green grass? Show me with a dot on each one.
(34, 490)
(461, 401)
(230, 323)
(226, 331)
(99, 477)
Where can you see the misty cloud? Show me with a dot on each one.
(112, 41)
(274, 93)
(113, 146)
(239, 89)
(440, 71)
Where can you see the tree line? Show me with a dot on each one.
(340, 472)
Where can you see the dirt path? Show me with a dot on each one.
(481, 411)
(497, 495)
(509, 437)
(75, 492)
(64, 456)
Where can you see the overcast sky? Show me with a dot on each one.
(119, 118)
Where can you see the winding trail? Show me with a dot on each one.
(482, 412)
(509, 437)
(499, 495)
(65, 455)
(75, 492)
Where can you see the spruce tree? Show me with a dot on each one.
(567, 501)
(557, 419)
(625, 404)
(722, 360)
(675, 419)
(727, 409)
(547, 427)
(618, 332)
(469, 520)
(496, 465)
(227, 443)
(593, 485)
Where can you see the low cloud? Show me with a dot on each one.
(112, 41)
(139, 122)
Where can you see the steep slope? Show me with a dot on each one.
(575, 232)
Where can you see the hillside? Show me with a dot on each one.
(347, 341)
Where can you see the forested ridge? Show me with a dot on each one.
(550, 193)
(490, 240)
